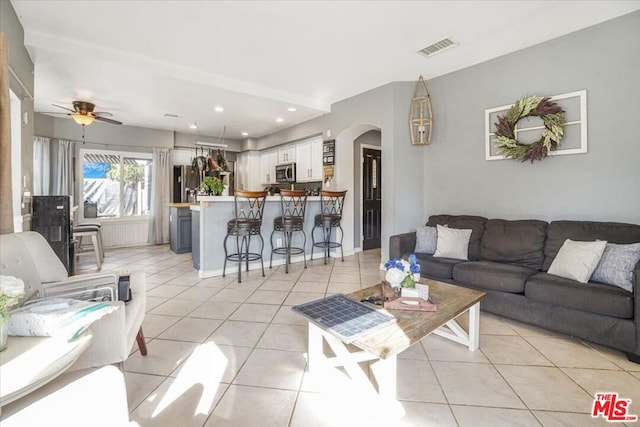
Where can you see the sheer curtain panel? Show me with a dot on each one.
(161, 195)
(41, 165)
(62, 184)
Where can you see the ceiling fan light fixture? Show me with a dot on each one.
(83, 119)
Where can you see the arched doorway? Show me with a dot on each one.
(368, 184)
(351, 163)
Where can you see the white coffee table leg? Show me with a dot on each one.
(314, 350)
(385, 372)
(474, 327)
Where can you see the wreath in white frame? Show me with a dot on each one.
(553, 118)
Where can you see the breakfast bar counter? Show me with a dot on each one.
(209, 228)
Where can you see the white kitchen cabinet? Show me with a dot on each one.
(287, 154)
(309, 161)
(268, 161)
(303, 163)
(248, 171)
(316, 160)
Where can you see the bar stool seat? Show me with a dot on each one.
(249, 206)
(292, 206)
(329, 218)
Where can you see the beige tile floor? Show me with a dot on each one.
(227, 353)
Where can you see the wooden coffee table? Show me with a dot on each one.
(382, 345)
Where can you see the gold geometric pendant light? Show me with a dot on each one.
(421, 115)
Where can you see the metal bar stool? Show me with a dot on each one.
(249, 206)
(292, 207)
(329, 218)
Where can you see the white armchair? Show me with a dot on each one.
(28, 256)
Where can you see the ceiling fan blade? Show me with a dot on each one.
(104, 119)
(102, 114)
(53, 112)
(64, 108)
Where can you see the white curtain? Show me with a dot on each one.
(63, 179)
(160, 196)
(41, 165)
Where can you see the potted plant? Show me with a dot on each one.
(212, 185)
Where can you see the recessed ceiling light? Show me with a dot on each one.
(292, 109)
(245, 133)
(193, 126)
(279, 119)
(218, 109)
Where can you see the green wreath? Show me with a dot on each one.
(552, 116)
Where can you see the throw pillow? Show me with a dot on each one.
(426, 240)
(617, 264)
(577, 260)
(452, 243)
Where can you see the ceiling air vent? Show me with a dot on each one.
(438, 46)
(170, 116)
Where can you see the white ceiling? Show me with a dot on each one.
(142, 59)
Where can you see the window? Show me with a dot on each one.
(115, 185)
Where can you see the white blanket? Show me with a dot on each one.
(56, 317)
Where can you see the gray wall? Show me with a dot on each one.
(121, 137)
(189, 140)
(602, 185)
(452, 176)
(21, 64)
(103, 135)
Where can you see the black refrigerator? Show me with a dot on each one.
(51, 217)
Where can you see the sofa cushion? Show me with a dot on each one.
(452, 243)
(437, 268)
(586, 231)
(492, 275)
(617, 264)
(590, 297)
(475, 223)
(518, 242)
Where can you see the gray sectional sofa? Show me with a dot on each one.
(509, 260)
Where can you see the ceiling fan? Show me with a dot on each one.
(84, 115)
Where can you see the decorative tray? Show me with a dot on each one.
(408, 303)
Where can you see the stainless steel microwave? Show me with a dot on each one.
(286, 172)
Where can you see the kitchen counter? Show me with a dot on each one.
(180, 227)
(210, 229)
(230, 198)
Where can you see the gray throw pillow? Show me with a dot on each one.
(426, 239)
(617, 264)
